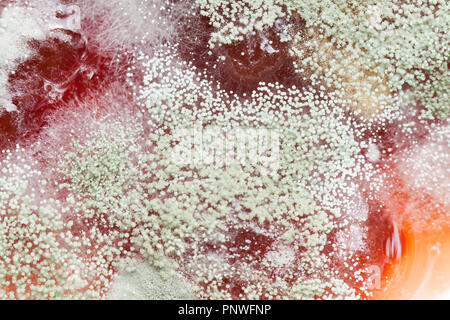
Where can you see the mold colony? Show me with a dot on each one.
(319, 201)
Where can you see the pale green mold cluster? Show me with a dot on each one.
(103, 174)
(377, 48)
(234, 19)
(318, 156)
(118, 194)
(37, 248)
(144, 282)
(366, 51)
(122, 188)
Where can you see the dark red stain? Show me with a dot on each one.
(57, 72)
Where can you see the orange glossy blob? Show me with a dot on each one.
(422, 270)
